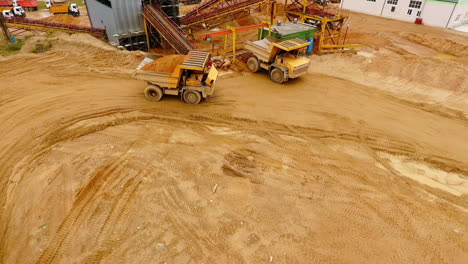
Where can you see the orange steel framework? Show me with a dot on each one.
(232, 30)
(330, 22)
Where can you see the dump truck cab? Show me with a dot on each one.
(7, 14)
(283, 60)
(19, 11)
(10, 12)
(73, 8)
(192, 80)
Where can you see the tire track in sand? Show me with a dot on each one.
(77, 214)
(104, 241)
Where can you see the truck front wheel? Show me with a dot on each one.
(253, 65)
(192, 97)
(277, 75)
(153, 93)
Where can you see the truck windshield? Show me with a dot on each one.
(298, 52)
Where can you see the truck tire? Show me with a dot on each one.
(277, 75)
(153, 93)
(192, 97)
(252, 64)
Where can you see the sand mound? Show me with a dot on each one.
(64, 19)
(426, 79)
(239, 66)
(442, 45)
(166, 63)
(85, 53)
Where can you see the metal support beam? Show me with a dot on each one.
(4, 27)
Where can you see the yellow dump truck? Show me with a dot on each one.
(282, 59)
(71, 9)
(192, 80)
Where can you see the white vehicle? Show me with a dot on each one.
(15, 3)
(15, 11)
(7, 14)
(48, 4)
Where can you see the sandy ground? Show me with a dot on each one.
(328, 168)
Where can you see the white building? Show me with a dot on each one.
(439, 13)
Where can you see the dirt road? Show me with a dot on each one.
(322, 169)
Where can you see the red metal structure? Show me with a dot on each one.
(210, 4)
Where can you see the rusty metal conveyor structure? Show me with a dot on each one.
(33, 24)
(167, 28)
(215, 9)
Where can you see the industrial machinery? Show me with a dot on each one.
(192, 80)
(331, 23)
(156, 18)
(214, 12)
(71, 9)
(10, 11)
(282, 59)
(233, 49)
(27, 24)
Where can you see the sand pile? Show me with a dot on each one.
(440, 44)
(64, 19)
(239, 66)
(87, 54)
(166, 63)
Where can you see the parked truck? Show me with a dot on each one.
(10, 11)
(192, 80)
(6, 3)
(71, 9)
(283, 60)
(28, 5)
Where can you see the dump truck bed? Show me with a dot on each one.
(6, 3)
(262, 48)
(59, 9)
(162, 79)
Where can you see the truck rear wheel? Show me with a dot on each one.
(252, 64)
(192, 97)
(153, 93)
(277, 75)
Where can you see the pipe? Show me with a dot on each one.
(450, 18)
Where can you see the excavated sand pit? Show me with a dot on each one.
(346, 164)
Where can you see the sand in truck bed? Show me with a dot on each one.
(166, 63)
